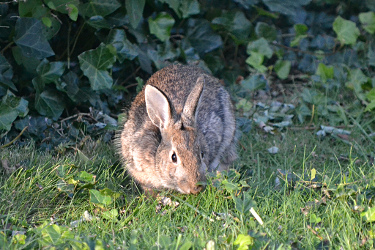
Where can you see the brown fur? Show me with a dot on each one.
(198, 121)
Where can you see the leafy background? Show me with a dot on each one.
(69, 67)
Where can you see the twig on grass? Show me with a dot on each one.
(242, 146)
(314, 232)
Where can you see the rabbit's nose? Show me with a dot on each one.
(196, 189)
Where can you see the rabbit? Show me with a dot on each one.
(180, 126)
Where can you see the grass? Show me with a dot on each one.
(297, 213)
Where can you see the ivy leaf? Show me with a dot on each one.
(367, 20)
(134, 9)
(50, 71)
(244, 105)
(50, 32)
(72, 12)
(286, 7)
(99, 199)
(300, 29)
(263, 12)
(312, 96)
(163, 52)
(236, 24)
(10, 108)
(63, 6)
(371, 95)
(256, 60)
(47, 21)
(325, 72)
(69, 85)
(260, 46)
(99, 8)
(98, 22)
(125, 49)
(371, 55)
(247, 4)
(185, 8)
(29, 37)
(174, 5)
(49, 103)
(144, 60)
(95, 64)
(32, 8)
(38, 84)
(346, 31)
(161, 26)
(6, 73)
(266, 31)
(188, 8)
(30, 63)
(301, 32)
(302, 112)
(356, 80)
(253, 82)
(282, 68)
(202, 37)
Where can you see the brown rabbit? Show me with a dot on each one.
(180, 126)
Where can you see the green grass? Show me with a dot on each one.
(296, 213)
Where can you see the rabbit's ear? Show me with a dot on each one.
(157, 106)
(188, 114)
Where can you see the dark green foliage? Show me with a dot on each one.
(76, 64)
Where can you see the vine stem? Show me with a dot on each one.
(68, 43)
(75, 41)
(6, 47)
(68, 50)
(303, 51)
(15, 139)
(128, 78)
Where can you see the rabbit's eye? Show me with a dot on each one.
(174, 157)
(202, 154)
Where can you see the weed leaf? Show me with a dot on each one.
(99, 199)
